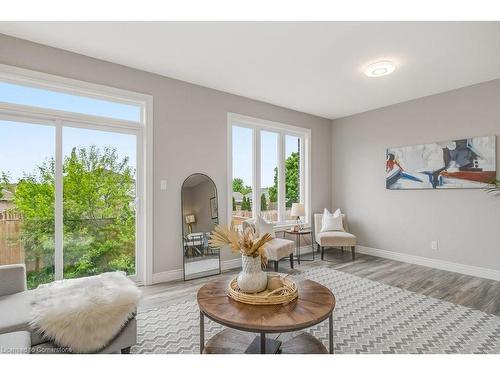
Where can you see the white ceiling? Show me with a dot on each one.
(313, 67)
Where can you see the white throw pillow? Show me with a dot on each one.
(264, 227)
(331, 222)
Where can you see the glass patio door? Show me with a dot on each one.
(27, 198)
(68, 196)
(99, 195)
(75, 177)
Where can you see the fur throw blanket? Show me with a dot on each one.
(84, 314)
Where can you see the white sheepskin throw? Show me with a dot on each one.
(84, 314)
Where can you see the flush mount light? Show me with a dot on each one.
(379, 69)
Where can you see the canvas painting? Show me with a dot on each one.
(461, 163)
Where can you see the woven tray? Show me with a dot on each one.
(287, 293)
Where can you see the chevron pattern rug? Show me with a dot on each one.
(370, 317)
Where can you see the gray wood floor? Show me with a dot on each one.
(474, 292)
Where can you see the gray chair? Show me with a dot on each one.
(15, 311)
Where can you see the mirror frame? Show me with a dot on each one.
(182, 227)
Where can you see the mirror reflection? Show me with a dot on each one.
(199, 216)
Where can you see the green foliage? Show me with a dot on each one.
(43, 276)
(273, 190)
(4, 183)
(263, 202)
(234, 204)
(34, 199)
(246, 204)
(292, 181)
(238, 185)
(98, 214)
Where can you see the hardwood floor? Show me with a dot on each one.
(470, 291)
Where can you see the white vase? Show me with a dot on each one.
(251, 278)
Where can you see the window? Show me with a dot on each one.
(268, 169)
(268, 192)
(293, 186)
(72, 175)
(99, 192)
(27, 199)
(242, 198)
(42, 98)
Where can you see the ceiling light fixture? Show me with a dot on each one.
(379, 69)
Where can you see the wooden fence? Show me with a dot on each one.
(11, 249)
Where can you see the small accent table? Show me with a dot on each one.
(314, 304)
(298, 234)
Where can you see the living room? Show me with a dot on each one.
(190, 187)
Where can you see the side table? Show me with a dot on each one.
(298, 234)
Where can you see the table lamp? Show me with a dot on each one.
(190, 219)
(297, 211)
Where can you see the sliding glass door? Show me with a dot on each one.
(99, 192)
(90, 175)
(27, 198)
(75, 174)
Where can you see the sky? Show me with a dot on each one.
(25, 146)
(16, 94)
(242, 154)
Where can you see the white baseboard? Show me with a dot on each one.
(161, 277)
(486, 273)
(172, 275)
(178, 274)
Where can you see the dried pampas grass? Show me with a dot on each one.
(248, 244)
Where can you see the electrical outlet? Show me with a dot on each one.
(434, 245)
(163, 185)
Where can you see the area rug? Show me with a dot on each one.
(370, 317)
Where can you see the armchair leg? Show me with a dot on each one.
(353, 248)
(126, 350)
(317, 248)
(276, 266)
(342, 248)
(322, 253)
(291, 260)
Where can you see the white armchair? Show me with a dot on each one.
(333, 238)
(277, 248)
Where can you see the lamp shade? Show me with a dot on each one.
(190, 219)
(298, 209)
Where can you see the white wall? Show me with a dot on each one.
(190, 131)
(466, 223)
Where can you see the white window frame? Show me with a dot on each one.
(257, 125)
(143, 130)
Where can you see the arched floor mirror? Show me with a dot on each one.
(200, 214)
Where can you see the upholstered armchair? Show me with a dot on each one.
(277, 248)
(333, 238)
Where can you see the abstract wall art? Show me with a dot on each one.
(457, 164)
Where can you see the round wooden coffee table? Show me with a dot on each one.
(314, 304)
